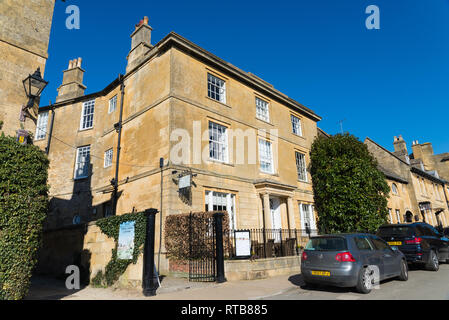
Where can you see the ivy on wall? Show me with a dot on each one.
(115, 268)
(23, 207)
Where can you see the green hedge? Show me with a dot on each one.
(23, 207)
(349, 190)
(115, 268)
(177, 234)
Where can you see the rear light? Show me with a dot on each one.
(414, 241)
(304, 256)
(344, 257)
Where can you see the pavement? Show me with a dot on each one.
(44, 288)
(422, 285)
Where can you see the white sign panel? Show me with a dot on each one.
(184, 182)
(126, 241)
(242, 244)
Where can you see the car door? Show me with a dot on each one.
(439, 243)
(389, 258)
(366, 251)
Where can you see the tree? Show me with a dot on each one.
(23, 208)
(350, 191)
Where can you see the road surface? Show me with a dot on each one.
(422, 285)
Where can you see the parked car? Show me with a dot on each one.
(420, 242)
(351, 260)
(446, 232)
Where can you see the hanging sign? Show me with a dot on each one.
(125, 246)
(185, 182)
(242, 244)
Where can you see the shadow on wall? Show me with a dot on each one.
(65, 229)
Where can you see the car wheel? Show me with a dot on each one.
(404, 271)
(365, 281)
(433, 264)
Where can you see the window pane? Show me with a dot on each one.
(113, 104)
(301, 166)
(265, 156)
(82, 162)
(218, 142)
(41, 128)
(216, 88)
(87, 120)
(262, 111)
(296, 124)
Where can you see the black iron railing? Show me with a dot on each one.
(271, 243)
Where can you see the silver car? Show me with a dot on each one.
(351, 260)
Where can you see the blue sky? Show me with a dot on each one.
(381, 82)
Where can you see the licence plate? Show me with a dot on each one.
(321, 273)
(398, 243)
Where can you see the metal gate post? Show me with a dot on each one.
(218, 217)
(149, 283)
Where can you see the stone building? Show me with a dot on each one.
(244, 144)
(24, 36)
(416, 194)
(423, 154)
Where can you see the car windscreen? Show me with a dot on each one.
(398, 231)
(327, 244)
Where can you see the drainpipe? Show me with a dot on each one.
(118, 128)
(47, 148)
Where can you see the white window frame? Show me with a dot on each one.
(394, 189)
(390, 213)
(82, 152)
(296, 125)
(41, 127)
(87, 115)
(266, 156)
(112, 104)
(216, 88)
(262, 110)
(398, 216)
(226, 199)
(301, 162)
(307, 214)
(108, 156)
(218, 142)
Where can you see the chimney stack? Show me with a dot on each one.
(400, 148)
(140, 43)
(72, 82)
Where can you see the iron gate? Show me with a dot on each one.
(202, 246)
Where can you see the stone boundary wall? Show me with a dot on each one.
(236, 270)
(87, 247)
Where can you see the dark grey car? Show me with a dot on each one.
(351, 260)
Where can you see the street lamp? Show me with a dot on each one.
(34, 85)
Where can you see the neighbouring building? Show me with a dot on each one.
(416, 194)
(423, 154)
(245, 144)
(24, 36)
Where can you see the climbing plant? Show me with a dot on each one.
(23, 208)
(116, 267)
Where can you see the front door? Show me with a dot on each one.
(275, 210)
(276, 223)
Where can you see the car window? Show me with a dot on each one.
(327, 244)
(434, 231)
(427, 231)
(380, 244)
(422, 230)
(390, 231)
(362, 243)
